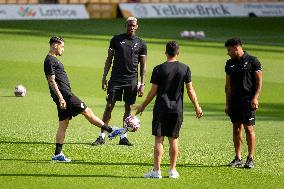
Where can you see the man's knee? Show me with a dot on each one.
(109, 107)
(249, 129)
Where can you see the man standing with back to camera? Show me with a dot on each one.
(125, 52)
(243, 87)
(168, 80)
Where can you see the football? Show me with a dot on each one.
(132, 123)
(20, 91)
(191, 35)
(184, 34)
(200, 35)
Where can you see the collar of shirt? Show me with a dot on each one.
(130, 36)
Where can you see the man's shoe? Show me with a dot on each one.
(124, 141)
(60, 158)
(100, 141)
(115, 132)
(236, 162)
(249, 163)
(173, 174)
(153, 174)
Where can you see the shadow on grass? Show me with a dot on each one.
(82, 162)
(39, 142)
(60, 175)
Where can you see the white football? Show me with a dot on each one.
(132, 123)
(184, 34)
(191, 34)
(200, 35)
(20, 91)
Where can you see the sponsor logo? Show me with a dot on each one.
(245, 66)
(232, 66)
(82, 105)
(198, 10)
(54, 12)
(251, 118)
(46, 12)
(26, 12)
(122, 42)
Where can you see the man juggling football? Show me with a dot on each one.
(68, 105)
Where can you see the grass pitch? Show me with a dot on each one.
(28, 125)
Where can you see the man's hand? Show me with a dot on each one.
(254, 103)
(104, 84)
(139, 109)
(62, 103)
(198, 112)
(141, 90)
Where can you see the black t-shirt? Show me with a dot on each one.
(127, 50)
(170, 78)
(52, 66)
(242, 74)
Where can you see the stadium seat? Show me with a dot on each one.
(11, 1)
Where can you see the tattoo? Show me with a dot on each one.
(54, 86)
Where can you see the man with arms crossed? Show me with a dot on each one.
(125, 52)
(168, 81)
(68, 105)
(243, 86)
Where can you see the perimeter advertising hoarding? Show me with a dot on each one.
(42, 12)
(179, 10)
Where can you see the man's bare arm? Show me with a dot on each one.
(54, 87)
(142, 62)
(107, 66)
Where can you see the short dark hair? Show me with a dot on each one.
(172, 48)
(56, 39)
(235, 41)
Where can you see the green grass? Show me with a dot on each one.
(28, 125)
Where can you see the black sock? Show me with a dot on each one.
(58, 148)
(107, 128)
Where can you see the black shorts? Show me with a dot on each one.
(167, 124)
(116, 90)
(242, 112)
(74, 107)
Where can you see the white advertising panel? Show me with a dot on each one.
(42, 12)
(179, 10)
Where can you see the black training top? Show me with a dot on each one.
(170, 78)
(242, 74)
(127, 50)
(52, 66)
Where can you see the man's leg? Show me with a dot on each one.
(107, 113)
(106, 118)
(251, 142)
(60, 136)
(158, 152)
(123, 138)
(237, 139)
(92, 118)
(62, 127)
(173, 152)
